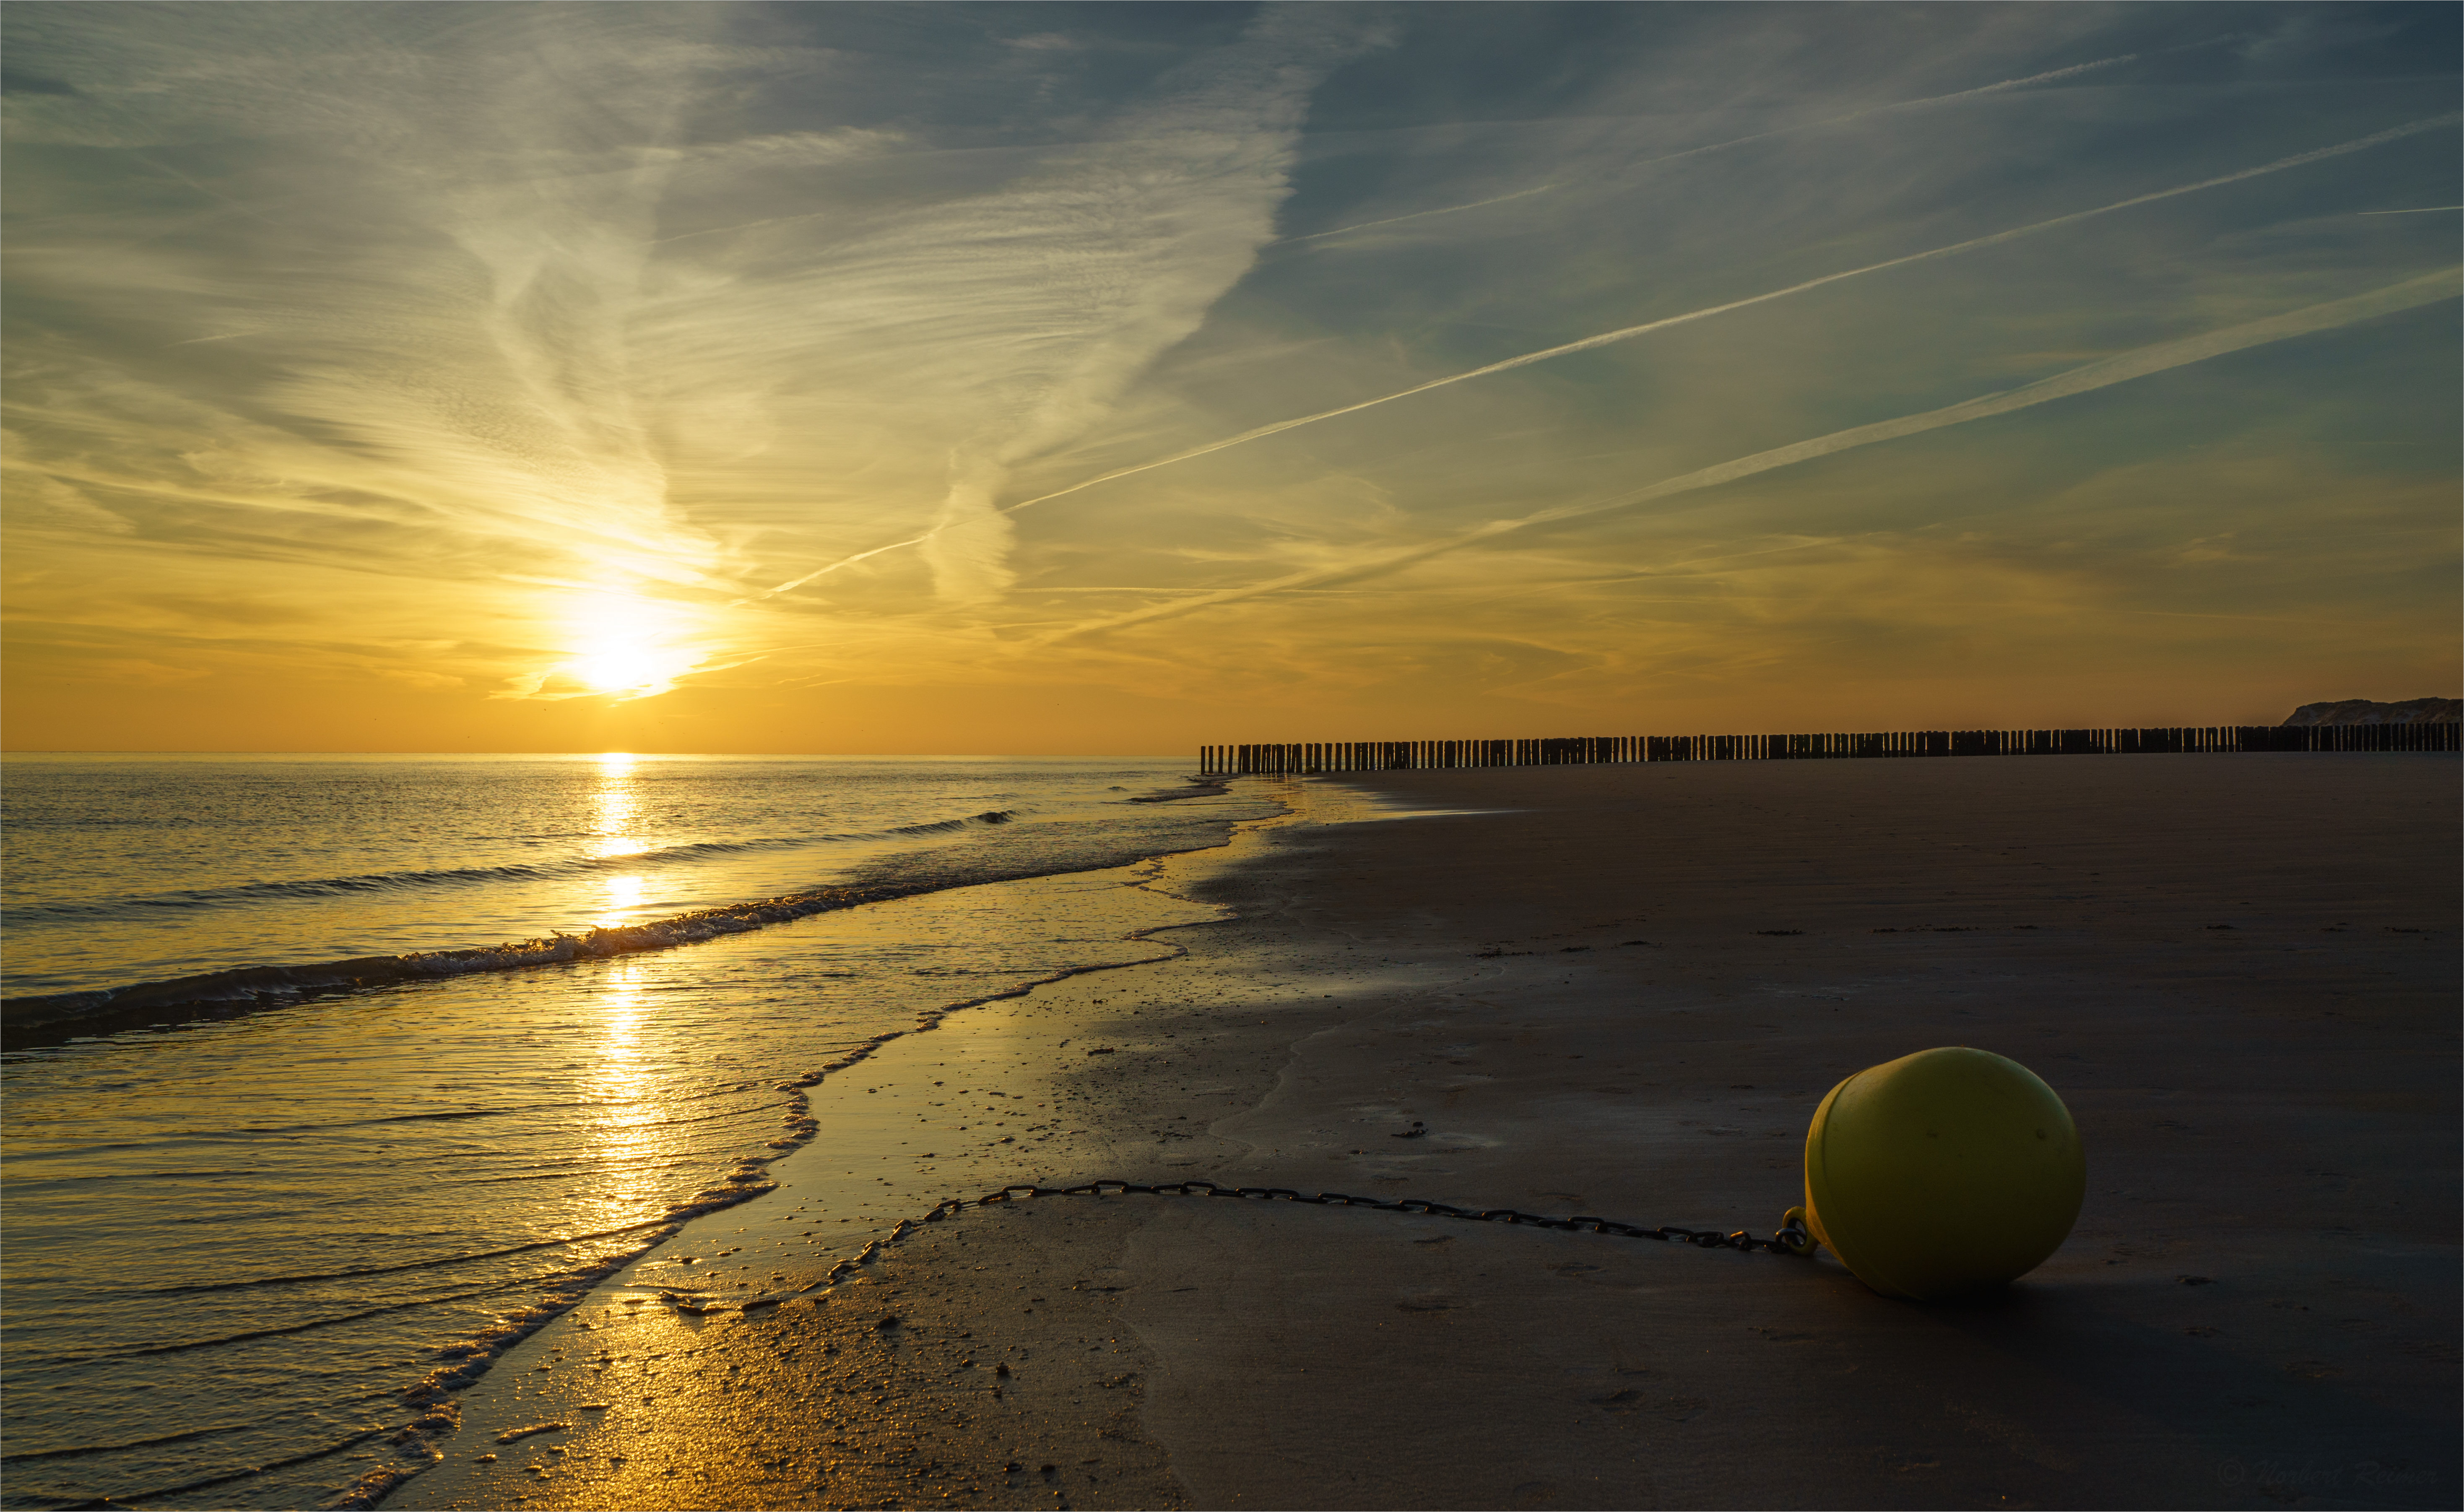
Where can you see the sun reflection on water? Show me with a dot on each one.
(616, 818)
(620, 906)
(625, 1084)
(621, 1039)
(616, 807)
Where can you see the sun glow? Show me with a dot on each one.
(636, 667)
(625, 644)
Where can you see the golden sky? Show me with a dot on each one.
(1029, 377)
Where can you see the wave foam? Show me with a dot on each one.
(257, 985)
(378, 882)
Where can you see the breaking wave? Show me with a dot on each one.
(34, 1018)
(251, 983)
(380, 881)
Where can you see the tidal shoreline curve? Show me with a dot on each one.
(50, 1018)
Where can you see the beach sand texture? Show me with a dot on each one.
(1623, 990)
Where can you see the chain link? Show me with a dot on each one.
(1791, 1239)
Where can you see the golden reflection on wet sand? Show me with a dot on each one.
(816, 1403)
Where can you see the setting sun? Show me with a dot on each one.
(621, 642)
(624, 668)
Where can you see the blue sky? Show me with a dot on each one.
(860, 377)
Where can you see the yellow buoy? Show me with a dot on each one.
(1942, 1171)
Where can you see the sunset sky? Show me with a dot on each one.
(1042, 378)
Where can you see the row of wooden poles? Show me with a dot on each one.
(1386, 755)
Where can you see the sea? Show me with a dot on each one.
(329, 1078)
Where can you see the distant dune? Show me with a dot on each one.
(2363, 711)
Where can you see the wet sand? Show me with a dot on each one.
(1624, 994)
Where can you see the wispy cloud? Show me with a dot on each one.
(1416, 215)
(1631, 332)
(2001, 86)
(2141, 362)
(780, 369)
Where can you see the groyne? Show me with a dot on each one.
(1389, 756)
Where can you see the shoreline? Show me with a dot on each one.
(1016, 1038)
(1624, 997)
(473, 1156)
(33, 1021)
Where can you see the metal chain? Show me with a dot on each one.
(1791, 1239)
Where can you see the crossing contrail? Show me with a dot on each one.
(1629, 333)
(2141, 362)
(1396, 220)
(1735, 141)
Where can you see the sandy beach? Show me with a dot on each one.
(1617, 991)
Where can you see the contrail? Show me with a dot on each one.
(1629, 333)
(1738, 142)
(2121, 368)
(1396, 220)
(1901, 104)
(844, 561)
(2427, 210)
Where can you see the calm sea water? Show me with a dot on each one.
(251, 1255)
